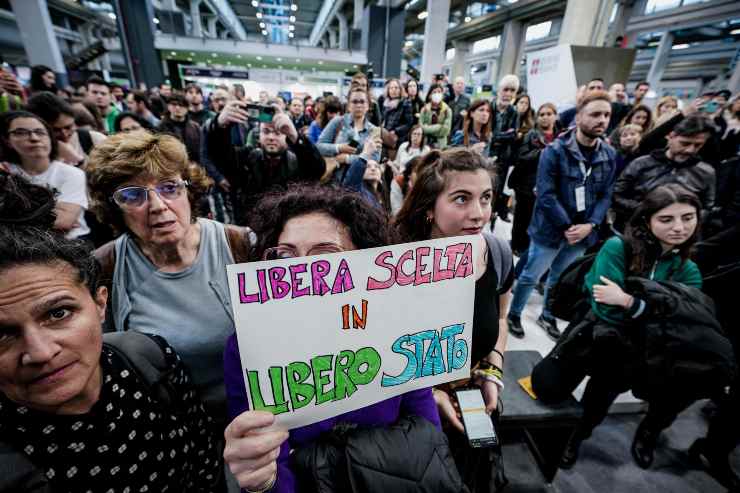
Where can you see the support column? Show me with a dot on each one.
(343, 31)
(136, 30)
(39, 39)
(359, 11)
(462, 50)
(660, 60)
(435, 38)
(734, 83)
(212, 31)
(619, 27)
(333, 35)
(195, 18)
(585, 22)
(512, 43)
(382, 37)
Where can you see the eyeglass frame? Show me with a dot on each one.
(25, 133)
(181, 184)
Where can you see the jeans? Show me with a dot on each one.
(539, 259)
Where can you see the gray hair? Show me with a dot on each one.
(509, 80)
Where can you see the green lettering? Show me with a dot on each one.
(321, 366)
(366, 356)
(276, 379)
(300, 393)
(343, 384)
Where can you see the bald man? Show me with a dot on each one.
(458, 102)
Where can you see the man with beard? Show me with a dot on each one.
(678, 163)
(575, 179)
(177, 123)
(283, 156)
(197, 111)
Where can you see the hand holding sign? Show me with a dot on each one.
(252, 449)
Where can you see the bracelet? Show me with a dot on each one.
(265, 487)
(500, 354)
(495, 380)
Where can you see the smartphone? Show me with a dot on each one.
(439, 76)
(260, 112)
(353, 143)
(478, 425)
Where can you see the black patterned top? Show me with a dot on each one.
(127, 442)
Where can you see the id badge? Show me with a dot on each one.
(580, 199)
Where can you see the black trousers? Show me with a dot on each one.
(523, 210)
(554, 379)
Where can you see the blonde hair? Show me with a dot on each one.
(661, 102)
(125, 156)
(633, 127)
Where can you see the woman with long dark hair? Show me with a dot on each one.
(656, 246)
(43, 78)
(524, 176)
(452, 195)
(411, 87)
(477, 128)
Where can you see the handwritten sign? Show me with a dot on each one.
(324, 335)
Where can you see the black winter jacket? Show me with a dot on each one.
(647, 172)
(524, 177)
(399, 119)
(676, 342)
(411, 456)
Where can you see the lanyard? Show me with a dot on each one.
(585, 173)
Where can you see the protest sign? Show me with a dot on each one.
(324, 335)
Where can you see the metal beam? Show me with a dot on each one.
(528, 11)
(228, 17)
(326, 15)
(233, 47)
(684, 17)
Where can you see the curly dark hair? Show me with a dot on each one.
(32, 245)
(24, 204)
(368, 226)
(645, 247)
(411, 220)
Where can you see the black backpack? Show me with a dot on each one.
(143, 356)
(568, 296)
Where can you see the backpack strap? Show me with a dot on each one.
(145, 356)
(501, 255)
(18, 473)
(241, 241)
(85, 138)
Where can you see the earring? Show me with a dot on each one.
(429, 219)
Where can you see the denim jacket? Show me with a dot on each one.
(558, 176)
(329, 139)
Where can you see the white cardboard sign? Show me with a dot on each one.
(324, 335)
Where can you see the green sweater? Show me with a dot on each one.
(437, 133)
(610, 263)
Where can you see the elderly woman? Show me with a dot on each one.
(167, 270)
(310, 220)
(76, 411)
(28, 143)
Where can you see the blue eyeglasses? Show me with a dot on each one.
(134, 197)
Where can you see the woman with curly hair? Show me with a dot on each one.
(143, 185)
(312, 220)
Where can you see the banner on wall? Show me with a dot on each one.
(551, 76)
(324, 335)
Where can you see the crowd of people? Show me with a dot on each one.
(120, 208)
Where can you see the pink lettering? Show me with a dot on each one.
(279, 288)
(243, 296)
(402, 278)
(319, 270)
(465, 267)
(440, 274)
(296, 281)
(421, 277)
(380, 261)
(343, 281)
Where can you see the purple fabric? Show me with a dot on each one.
(417, 402)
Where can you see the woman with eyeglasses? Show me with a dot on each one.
(167, 269)
(30, 149)
(313, 220)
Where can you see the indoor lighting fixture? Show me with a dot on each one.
(291, 35)
(680, 46)
(264, 32)
(259, 15)
(279, 59)
(155, 20)
(291, 18)
(422, 15)
(409, 43)
(214, 54)
(735, 32)
(259, 57)
(321, 62)
(468, 18)
(255, 3)
(173, 53)
(262, 25)
(291, 27)
(293, 7)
